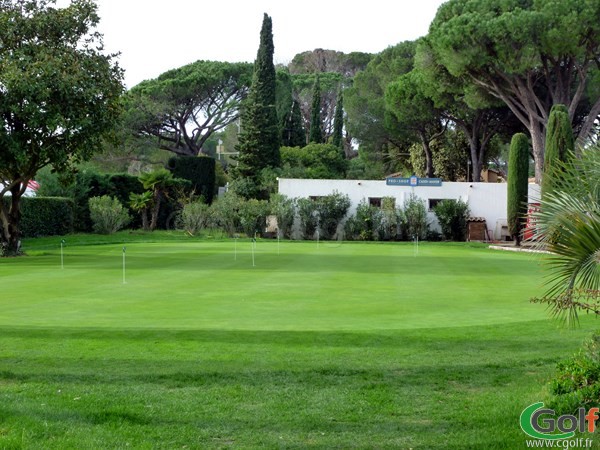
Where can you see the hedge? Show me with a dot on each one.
(45, 216)
(199, 170)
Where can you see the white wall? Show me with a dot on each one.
(486, 200)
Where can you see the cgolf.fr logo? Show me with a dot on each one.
(541, 423)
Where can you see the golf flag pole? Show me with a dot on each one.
(62, 256)
(277, 241)
(253, 245)
(235, 248)
(124, 249)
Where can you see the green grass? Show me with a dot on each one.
(341, 346)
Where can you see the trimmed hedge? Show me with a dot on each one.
(45, 216)
(199, 170)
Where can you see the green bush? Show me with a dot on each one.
(307, 214)
(331, 210)
(87, 184)
(284, 209)
(364, 224)
(577, 381)
(200, 171)
(253, 216)
(452, 216)
(223, 213)
(45, 216)
(390, 227)
(194, 217)
(108, 214)
(415, 216)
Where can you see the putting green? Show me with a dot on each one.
(293, 286)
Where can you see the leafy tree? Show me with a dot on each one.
(320, 60)
(322, 161)
(477, 114)
(338, 123)
(368, 119)
(59, 96)
(183, 107)
(316, 124)
(156, 182)
(292, 132)
(568, 225)
(559, 143)
(517, 189)
(529, 54)
(141, 203)
(259, 139)
(416, 113)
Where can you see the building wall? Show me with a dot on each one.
(486, 200)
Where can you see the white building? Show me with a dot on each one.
(486, 200)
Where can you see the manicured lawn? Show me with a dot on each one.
(341, 346)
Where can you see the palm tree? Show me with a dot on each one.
(568, 226)
(156, 182)
(141, 202)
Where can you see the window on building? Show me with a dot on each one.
(375, 201)
(433, 202)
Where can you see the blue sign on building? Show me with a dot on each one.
(413, 181)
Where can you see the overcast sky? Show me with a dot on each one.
(154, 36)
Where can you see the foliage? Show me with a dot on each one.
(337, 138)
(108, 214)
(158, 182)
(224, 213)
(60, 96)
(45, 216)
(307, 215)
(516, 189)
(253, 216)
(452, 216)
(314, 161)
(88, 183)
(292, 130)
(568, 225)
(52, 184)
(529, 54)
(141, 203)
(364, 224)
(316, 122)
(284, 209)
(182, 108)
(417, 116)
(577, 380)
(331, 210)
(201, 172)
(415, 215)
(559, 143)
(369, 121)
(259, 138)
(194, 217)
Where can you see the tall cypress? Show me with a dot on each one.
(559, 143)
(293, 133)
(517, 186)
(259, 138)
(338, 123)
(316, 124)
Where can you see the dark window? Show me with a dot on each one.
(433, 202)
(375, 201)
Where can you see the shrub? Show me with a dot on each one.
(200, 171)
(331, 211)
(223, 213)
(452, 216)
(390, 227)
(253, 216)
(307, 213)
(284, 209)
(577, 381)
(194, 217)
(415, 216)
(365, 223)
(87, 184)
(45, 216)
(108, 214)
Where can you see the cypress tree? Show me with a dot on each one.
(316, 125)
(259, 138)
(338, 123)
(559, 143)
(517, 189)
(293, 133)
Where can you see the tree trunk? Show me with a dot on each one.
(10, 236)
(428, 156)
(538, 143)
(155, 210)
(475, 159)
